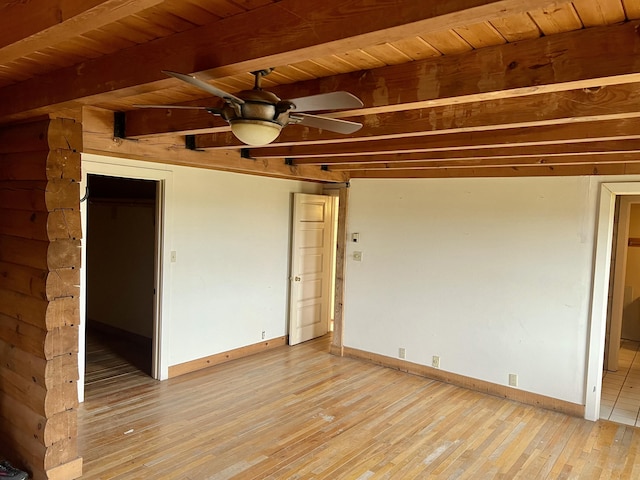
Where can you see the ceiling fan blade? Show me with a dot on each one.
(325, 123)
(326, 101)
(205, 86)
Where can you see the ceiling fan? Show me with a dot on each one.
(257, 116)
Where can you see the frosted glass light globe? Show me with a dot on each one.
(255, 132)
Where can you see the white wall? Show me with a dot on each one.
(231, 234)
(120, 281)
(492, 275)
(230, 282)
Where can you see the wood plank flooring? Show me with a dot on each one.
(110, 355)
(300, 413)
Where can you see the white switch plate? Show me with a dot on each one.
(173, 256)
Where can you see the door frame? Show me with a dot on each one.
(599, 304)
(115, 167)
(341, 193)
(329, 267)
(619, 254)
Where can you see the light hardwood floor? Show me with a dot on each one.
(301, 413)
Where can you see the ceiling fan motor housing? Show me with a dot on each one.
(258, 105)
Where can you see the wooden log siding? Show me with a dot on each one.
(39, 303)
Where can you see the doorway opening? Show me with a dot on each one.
(121, 276)
(621, 369)
(605, 220)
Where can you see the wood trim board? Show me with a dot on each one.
(218, 358)
(510, 393)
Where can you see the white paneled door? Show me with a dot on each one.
(311, 261)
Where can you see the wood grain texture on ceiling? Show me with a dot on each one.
(457, 88)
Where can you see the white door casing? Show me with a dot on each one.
(311, 257)
(600, 292)
(110, 166)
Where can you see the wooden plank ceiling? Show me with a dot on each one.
(455, 88)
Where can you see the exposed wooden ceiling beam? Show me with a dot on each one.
(521, 171)
(576, 106)
(43, 24)
(543, 135)
(491, 162)
(611, 147)
(98, 138)
(583, 59)
(246, 42)
(149, 122)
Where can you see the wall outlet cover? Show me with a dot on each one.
(435, 361)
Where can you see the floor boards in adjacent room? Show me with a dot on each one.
(110, 355)
(298, 412)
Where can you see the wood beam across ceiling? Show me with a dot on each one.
(615, 102)
(540, 153)
(510, 171)
(42, 26)
(585, 59)
(245, 43)
(436, 140)
(98, 139)
(513, 160)
(627, 129)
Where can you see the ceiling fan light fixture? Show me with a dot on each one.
(255, 132)
(257, 116)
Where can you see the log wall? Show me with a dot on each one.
(39, 303)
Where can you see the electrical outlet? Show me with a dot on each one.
(402, 353)
(513, 380)
(264, 334)
(435, 361)
(357, 256)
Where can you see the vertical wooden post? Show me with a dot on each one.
(39, 305)
(337, 343)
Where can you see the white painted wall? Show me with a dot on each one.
(120, 281)
(492, 275)
(231, 235)
(496, 276)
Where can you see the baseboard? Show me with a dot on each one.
(218, 358)
(503, 391)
